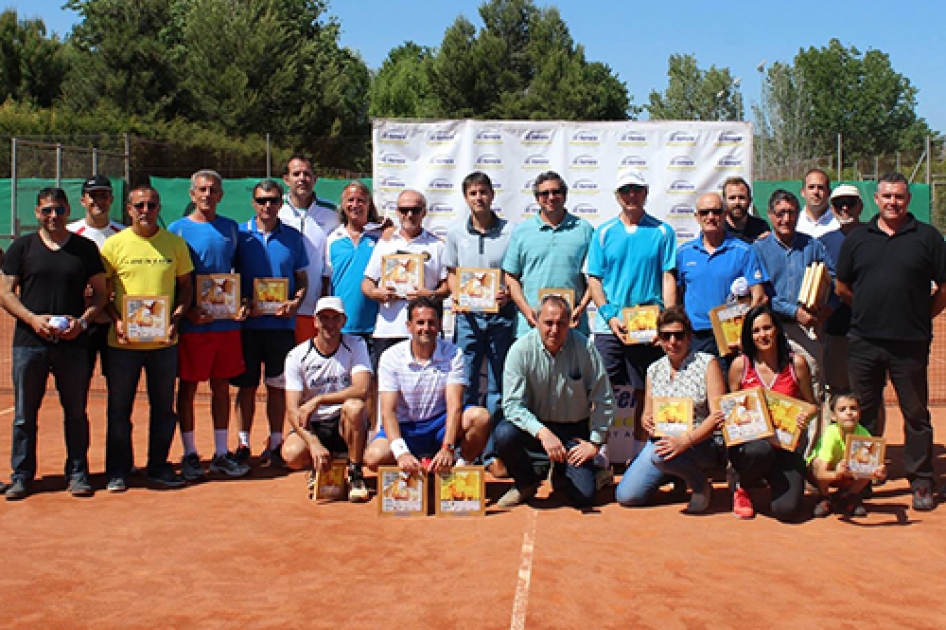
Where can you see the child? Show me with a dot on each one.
(826, 465)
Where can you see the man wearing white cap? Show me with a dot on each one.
(631, 262)
(327, 380)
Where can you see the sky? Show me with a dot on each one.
(636, 37)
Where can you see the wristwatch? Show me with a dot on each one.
(83, 323)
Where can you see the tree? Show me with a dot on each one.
(401, 88)
(783, 124)
(695, 94)
(32, 65)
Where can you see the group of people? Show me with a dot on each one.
(346, 346)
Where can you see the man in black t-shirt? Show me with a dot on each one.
(44, 279)
(737, 201)
(885, 271)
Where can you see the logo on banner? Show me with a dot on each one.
(682, 138)
(488, 161)
(393, 160)
(441, 136)
(440, 184)
(633, 138)
(634, 161)
(728, 138)
(535, 161)
(684, 234)
(682, 162)
(440, 210)
(392, 183)
(532, 208)
(389, 208)
(488, 136)
(729, 162)
(585, 210)
(537, 136)
(529, 185)
(585, 162)
(584, 187)
(585, 136)
(681, 211)
(440, 231)
(441, 161)
(395, 135)
(681, 186)
(497, 185)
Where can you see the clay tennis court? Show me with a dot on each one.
(255, 553)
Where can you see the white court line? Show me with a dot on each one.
(6, 411)
(521, 601)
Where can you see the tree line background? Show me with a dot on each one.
(202, 82)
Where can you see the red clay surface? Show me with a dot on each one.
(255, 553)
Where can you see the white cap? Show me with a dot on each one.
(845, 190)
(630, 177)
(330, 303)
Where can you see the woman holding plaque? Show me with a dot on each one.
(768, 362)
(681, 414)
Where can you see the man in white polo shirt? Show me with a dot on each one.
(421, 382)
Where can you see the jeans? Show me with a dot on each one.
(621, 360)
(69, 365)
(523, 454)
(649, 471)
(124, 370)
(783, 470)
(906, 361)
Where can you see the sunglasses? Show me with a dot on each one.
(268, 200)
(410, 209)
(707, 211)
(59, 210)
(667, 335)
(542, 194)
(784, 213)
(629, 188)
(840, 202)
(142, 205)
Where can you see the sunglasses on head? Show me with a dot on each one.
(667, 335)
(268, 200)
(143, 205)
(629, 188)
(542, 194)
(48, 210)
(707, 211)
(410, 209)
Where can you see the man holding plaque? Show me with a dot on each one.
(558, 407)
(45, 275)
(421, 382)
(210, 349)
(268, 249)
(708, 268)
(479, 243)
(630, 263)
(885, 273)
(422, 255)
(148, 261)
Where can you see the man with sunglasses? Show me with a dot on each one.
(548, 252)
(145, 259)
(707, 268)
(268, 249)
(45, 275)
(631, 262)
(409, 238)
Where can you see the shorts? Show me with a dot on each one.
(207, 355)
(424, 437)
(305, 328)
(264, 348)
(329, 434)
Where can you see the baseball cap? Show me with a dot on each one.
(97, 182)
(845, 190)
(630, 178)
(330, 303)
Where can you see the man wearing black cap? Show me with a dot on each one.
(96, 226)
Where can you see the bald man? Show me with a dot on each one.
(713, 268)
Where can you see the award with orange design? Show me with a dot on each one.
(269, 294)
(784, 411)
(727, 325)
(146, 318)
(864, 455)
(460, 492)
(331, 484)
(401, 494)
(673, 416)
(404, 272)
(747, 416)
(641, 323)
(477, 289)
(219, 294)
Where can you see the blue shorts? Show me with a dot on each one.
(424, 437)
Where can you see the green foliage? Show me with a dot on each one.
(32, 65)
(695, 94)
(523, 64)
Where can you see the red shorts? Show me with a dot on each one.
(305, 328)
(206, 355)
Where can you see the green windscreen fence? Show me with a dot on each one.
(919, 203)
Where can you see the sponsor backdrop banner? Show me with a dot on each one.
(679, 160)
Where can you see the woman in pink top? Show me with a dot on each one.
(766, 361)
